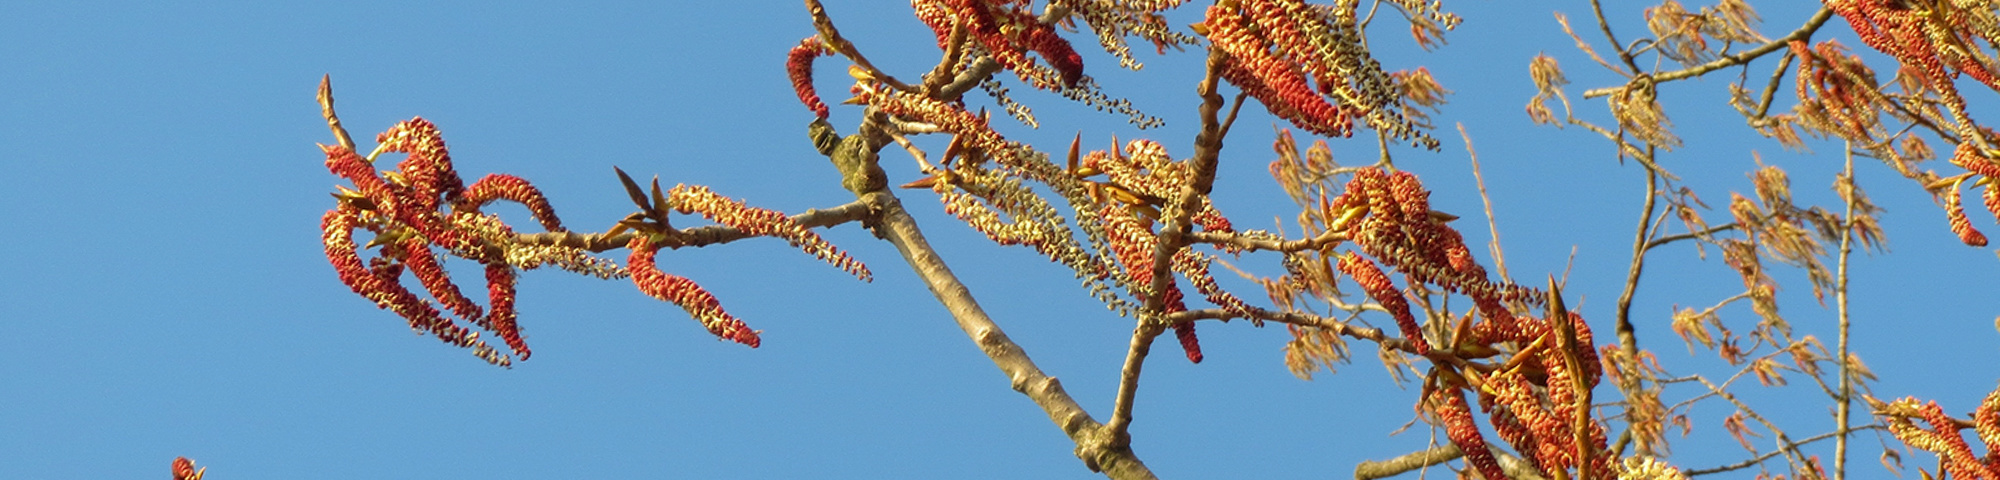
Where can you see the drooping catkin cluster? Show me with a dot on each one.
(1309, 65)
(1944, 437)
(1534, 402)
(1389, 216)
(1939, 41)
(995, 199)
(1006, 31)
(423, 210)
(423, 205)
(1114, 20)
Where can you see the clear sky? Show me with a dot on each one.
(163, 290)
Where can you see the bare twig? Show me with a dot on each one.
(1624, 54)
(831, 36)
(1499, 259)
(1628, 340)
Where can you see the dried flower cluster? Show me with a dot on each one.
(1686, 37)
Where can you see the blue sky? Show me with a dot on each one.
(163, 291)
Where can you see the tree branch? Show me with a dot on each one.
(1515, 467)
(1252, 243)
(1803, 32)
(693, 237)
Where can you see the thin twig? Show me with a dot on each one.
(1785, 442)
(1492, 226)
(1604, 25)
(1767, 455)
(831, 36)
(1711, 231)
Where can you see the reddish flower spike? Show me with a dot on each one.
(761, 222)
(1384, 292)
(799, 66)
(1464, 432)
(428, 167)
(500, 294)
(1954, 211)
(184, 469)
(418, 257)
(1185, 333)
(498, 186)
(685, 293)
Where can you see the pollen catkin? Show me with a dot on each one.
(1954, 211)
(799, 66)
(498, 186)
(760, 222)
(1384, 292)
(684, 293)
(1464, 431)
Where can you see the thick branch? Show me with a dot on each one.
(901, 230)
(893, 223)
(1172, 238)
